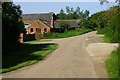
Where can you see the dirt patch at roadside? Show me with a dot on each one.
(99, 52)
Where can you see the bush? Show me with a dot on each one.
(114, 28)
(64, 25)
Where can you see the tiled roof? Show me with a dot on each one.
(72, 23)
(45, 18)
(48, 23)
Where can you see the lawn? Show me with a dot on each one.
(113, 64)
(28, 54)
(69, 33)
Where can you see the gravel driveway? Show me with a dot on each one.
(70, 60)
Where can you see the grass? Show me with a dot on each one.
(105, 38)
(66, 34)
(113, 64)
(28, 54)
(38, 40)
(100, 30)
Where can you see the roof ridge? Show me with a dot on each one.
(35, 13)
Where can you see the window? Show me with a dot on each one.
(38, 30)
(45, 29)
(27, 25)
(31, 29)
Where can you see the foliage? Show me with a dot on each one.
(12, 26)
(62, 14)
(76, 14)
(72, 13)
(112, 64)
(64, 26)
(107, 1)
(84, 22)
(107, 23)
(98, 20)
(28, 54)
(114, 28)
(85, 15)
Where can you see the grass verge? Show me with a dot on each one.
(113, 64)
(38, 40)
(105, 38)
(65, 34)
(28, 54)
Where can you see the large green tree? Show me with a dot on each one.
(12, 26)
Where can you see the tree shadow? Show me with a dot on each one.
(25, 53)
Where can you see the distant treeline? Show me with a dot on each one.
(72, 13)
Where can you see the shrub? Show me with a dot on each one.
(64, 25)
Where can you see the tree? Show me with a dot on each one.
(61, 15)
(64, 26)
(86, 14)
(68, 9)
(103, 1)
(107, 1)
(77, 10)
(72, 10)
(84, 23)
(62, 11)
(12, 26)
(91, 24)
(73, 14)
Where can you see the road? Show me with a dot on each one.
(70, 60)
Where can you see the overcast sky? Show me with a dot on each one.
(45, 7)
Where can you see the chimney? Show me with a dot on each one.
(52, 21)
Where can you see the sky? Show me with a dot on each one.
(46, 7)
